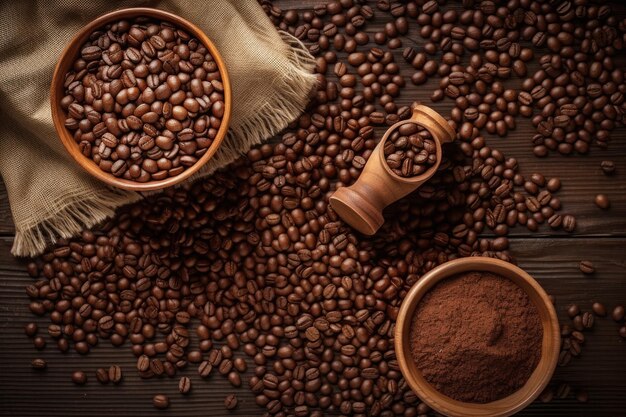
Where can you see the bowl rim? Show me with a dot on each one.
(506, 406)
(57, 92)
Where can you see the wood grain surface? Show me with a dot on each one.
(551, 257)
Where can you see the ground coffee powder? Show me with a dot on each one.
(476, 337)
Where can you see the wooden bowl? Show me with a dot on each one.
(71, 52)
(549, 348)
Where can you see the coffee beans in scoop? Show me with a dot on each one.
(144, 99)
(410, 150)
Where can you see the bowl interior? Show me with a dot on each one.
(65, 64)
(538, 379)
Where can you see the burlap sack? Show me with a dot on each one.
(50, 196)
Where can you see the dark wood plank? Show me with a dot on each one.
(600, 370)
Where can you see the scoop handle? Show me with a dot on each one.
(361, 205)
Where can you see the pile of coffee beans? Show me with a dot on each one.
(410, 150)
(251, 276)
(144, 99)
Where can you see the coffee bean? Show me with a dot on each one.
(39, 364)
(599, 309)
(230, 401)
(602, 201)
(569, 223)
(143, 363)
(618, 313)
(30, 329)
(115, 374)
(184, 385)
(102, 375)
(161, 401)
(608, 167)
(79, 377)
(204, 369)
(573, 310)
(586, 267)
(587, 320)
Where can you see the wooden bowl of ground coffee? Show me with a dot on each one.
(477, 337)
(141, 98)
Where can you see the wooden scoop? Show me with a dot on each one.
(361, 204)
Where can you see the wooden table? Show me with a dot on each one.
(551, 257)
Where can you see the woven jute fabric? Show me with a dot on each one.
(51, 196)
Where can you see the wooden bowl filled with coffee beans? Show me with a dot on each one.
(141, 98)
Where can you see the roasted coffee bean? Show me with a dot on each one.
(184, 385)
(608, 167)
(115, 374)
(573, 310)
(30, 329)
(586, 267)
(204, 369)
(602, 201)
(618, 313)
(38, 364)
(102, 375)
(230, 402)
(569, 223)
(599, 309)
(79, 377)
(161, 401)
(587, 320)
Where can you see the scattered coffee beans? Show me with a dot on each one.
(491, 341)
(410, 150)
(253, 261)
(144, 99)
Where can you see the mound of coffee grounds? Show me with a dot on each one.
(476, 337)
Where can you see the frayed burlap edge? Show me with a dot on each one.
(71, 217)
(80, 212)
(288, 100)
